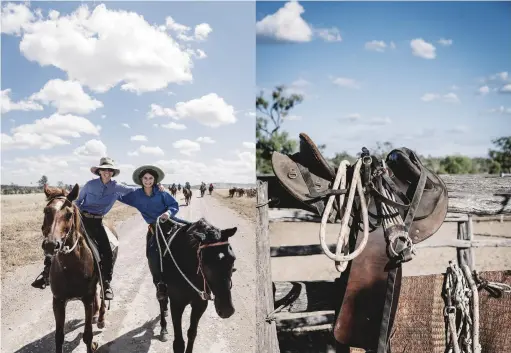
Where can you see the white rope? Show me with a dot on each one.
(342, 256)
(202, 294)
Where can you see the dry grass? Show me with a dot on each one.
(22, 218)
(244, 206)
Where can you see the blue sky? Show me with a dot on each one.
(165, 83)
(434, 77)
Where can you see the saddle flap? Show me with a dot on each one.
(311, 157)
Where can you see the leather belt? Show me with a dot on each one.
(90, 215)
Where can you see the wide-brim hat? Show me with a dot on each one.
(157, 170)
(105, 163)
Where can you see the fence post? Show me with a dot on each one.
(266, 332)
(465, 232)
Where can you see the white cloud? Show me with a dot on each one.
(483, 90)
(500, 110)
(329, 34)
(506, 89)
(392, 45)
(503, 76)
(423, 49)
(174, 126)
(250, 145)
(125, 125)
(286, 24)
(352, 117)
(251, 114)
(93, 149)
(102, 48)
(448, 98)
(67, 97)
(187, 147)
(292, 117)
(202, 31)
(346, 82)
(376, 45)
(138, 138)
(205, 139)
(48, 132)
(156, 151)
(24, 105)
(210, 110)
(445, 42)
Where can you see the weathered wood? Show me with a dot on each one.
(468, 194)
(464, 254)
(315, 249)
(306, 296)
(306, 321)
(266, 332)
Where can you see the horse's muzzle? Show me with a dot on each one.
(50, 246)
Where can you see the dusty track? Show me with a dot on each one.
(133, 320)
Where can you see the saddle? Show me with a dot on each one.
(368, 304)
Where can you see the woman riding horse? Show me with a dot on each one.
(95, 200)
(152, 203)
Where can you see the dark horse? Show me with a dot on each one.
(173, 190)
(73, 275)
(188, 195)
(202, 190)
(210, 189)
(203, 253)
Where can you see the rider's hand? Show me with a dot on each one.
(161, 187)
(164, 216)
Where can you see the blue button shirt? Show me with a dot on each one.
(98, 198)
(151, 207)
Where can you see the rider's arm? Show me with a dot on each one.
(129, 199)
(123, 190)
(171, 204)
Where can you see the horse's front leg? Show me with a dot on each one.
(176, 309)
(198, 309)
(88, 304)
(59, 311)
(163, 322)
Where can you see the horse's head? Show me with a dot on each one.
(217, 261)
(59, 217)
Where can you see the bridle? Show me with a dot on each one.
(204, 294)
(64, 249)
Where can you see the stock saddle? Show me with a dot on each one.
(373, 279)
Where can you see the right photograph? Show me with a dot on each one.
(383, 152)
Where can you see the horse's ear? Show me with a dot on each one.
(74, 193)
(229, 232)
(46, 190)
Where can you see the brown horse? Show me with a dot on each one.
(188, 195)
(73, 275)
(173, 190)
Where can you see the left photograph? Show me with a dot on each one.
(128, 177)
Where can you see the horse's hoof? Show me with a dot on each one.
(94, 346)
(164, 337)
(101, 324)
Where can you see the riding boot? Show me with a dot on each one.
(109, 293)
(43, 279)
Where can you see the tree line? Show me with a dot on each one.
(272, 112)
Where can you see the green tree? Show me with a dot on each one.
(456, 165)
(43, 180)
(494, 167)
(339, 157)
(269, 136)
(502, 154)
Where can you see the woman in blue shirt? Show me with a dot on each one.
(152, 203)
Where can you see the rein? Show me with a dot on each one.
(203, 294)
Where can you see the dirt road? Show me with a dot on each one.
(133, 319)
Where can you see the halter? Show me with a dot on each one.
(203, 294)
(65, 249)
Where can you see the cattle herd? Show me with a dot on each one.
(249, 192)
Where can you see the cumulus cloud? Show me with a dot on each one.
(250, 145)
(484, 90)
(209, 110)
(187, 147)
(138, 138)
(8, 105)
(448, 98)
(346, 82)
(205, 139)
(288, 25)
(155, 151)
(200, 33)
(102, 48)
(423, 49)
(445, 42)
(66, 97)
(46, 133)
(93, 149)
(378, 46)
